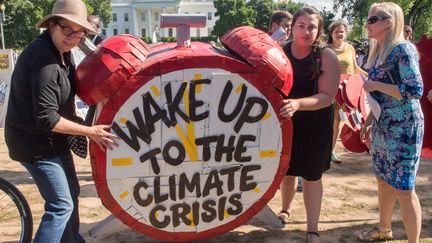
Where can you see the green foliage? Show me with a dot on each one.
(418, 14)
(328, 17)
(146, 39)
(289, 6)
(173, 39)
(101, 8)
(265, 9)
(204, 38)
(232, 14)
(168, 39)
(20, 21)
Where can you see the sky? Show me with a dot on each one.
(320, 4)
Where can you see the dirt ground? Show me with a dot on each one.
(349, 204)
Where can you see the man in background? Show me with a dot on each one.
(280, 26)
(97, 25)
(408, 33)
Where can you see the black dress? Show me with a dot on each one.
(312, 130)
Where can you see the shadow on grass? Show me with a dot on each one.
(264, 233)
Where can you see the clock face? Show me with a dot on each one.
(199, 153)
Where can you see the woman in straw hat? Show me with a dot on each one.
(40, 118)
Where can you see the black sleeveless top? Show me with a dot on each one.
(312, 130)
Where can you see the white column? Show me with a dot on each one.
(164, 31)
(149, 23)
(134, 23)
(175, 29)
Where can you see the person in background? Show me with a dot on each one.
(408, 32)
(97, 38)
(309, 106)
(96, 23)
(40, 119)
(338, 32)
(396, 134)
(429, 95)
(280, 26)
(362, 58)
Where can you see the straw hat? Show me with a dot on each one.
(72, 10)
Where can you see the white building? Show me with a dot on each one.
(141, 17)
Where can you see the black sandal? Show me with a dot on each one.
(312, 233)
(284, 216)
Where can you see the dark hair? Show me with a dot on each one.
(333, 26)
(53, 20)
(278, 16)
(316, 46)
(408, 28)
(94, 19)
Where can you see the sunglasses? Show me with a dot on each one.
(374, 19)
(67, 31)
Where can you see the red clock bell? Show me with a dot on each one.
(202, 148)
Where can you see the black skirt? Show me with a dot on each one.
(312, 143)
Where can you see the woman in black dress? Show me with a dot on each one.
(316, 78)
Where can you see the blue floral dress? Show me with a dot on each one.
(398, 134)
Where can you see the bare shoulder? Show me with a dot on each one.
(350, 46)
(326, 52)
(329, 57)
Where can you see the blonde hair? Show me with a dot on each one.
(378, 54)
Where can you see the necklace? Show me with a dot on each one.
(339, 49)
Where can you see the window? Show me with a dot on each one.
(170, 32)
(143, 32)
(142, 17)
(198, 32)
(209, 15)
(126, 17)
(156, 16)
(115, 32)
(126, 30)
(114, 17)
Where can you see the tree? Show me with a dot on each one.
(101, 8)
(289, 6)
(417, 13)
(265, 8)
(232, 14)
(19, 25)
(418, 16)
(328, 18)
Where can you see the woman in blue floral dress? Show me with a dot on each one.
(397, 132)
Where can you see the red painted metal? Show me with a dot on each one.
(116, 60)
(260, 51)
(351, 140)
(424, 48)
(353, 89)
(118, 69)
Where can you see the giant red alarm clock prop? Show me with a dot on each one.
(354, 110)
(202, 147)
